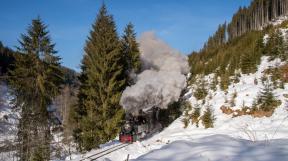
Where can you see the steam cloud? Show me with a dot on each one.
(163, 77)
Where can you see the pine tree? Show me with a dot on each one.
(187, 109)
(208, 118)
(249, 62)
(275, 46)
(201, 91)
(36, 79)
(225, 81)
(214, 83)
(195, 115)
(267, 99)
(255, 105)
(102, 81)
(131, 52)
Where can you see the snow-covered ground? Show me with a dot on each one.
(238, 138)
(8, 123)
(220, 148)
(8, 117)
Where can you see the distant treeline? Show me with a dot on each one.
(7, 57)
(252, 18)
(257, 15)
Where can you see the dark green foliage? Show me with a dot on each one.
(232, 101)
(187, 116)
(250, 57)
(70, 77)
(98, 113)
(255, 16)
(201, 91)
(131, 51)
(190, 115)
(36, 81)
(248, 64)
(186, 120)
(225, 82)
(7, 57)
(174, 110)
(276, 76)
(218, 39)
(266, 99)
(245, 46)
(214, 83)
(284, 24)
(195, 116)
(275, 47)
(242, 52)
(255, 105)
(208, 118)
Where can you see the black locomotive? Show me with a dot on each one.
(137, 127)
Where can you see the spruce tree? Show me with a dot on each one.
(267, 99)
(186, 116)
(248, 63)
(131, 52)
(208, 118)
(214, 83)
(201, 91)
(36, 79)
(195, 116)
(102, 81)
(225, 81)
(275, 46)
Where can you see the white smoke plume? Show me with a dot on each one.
(163, 77)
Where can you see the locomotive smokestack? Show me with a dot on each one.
(163, 77)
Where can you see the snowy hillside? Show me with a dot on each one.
(232, 138)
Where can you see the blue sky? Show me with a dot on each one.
(183, 24)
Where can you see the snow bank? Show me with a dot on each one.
(220, 148)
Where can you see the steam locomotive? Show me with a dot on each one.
(137, 127)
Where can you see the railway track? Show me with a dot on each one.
(102, 153)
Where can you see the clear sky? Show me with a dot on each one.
(183, 24)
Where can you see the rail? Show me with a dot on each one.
(104, 152)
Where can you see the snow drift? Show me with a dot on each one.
(220, 148)
(163, 77)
